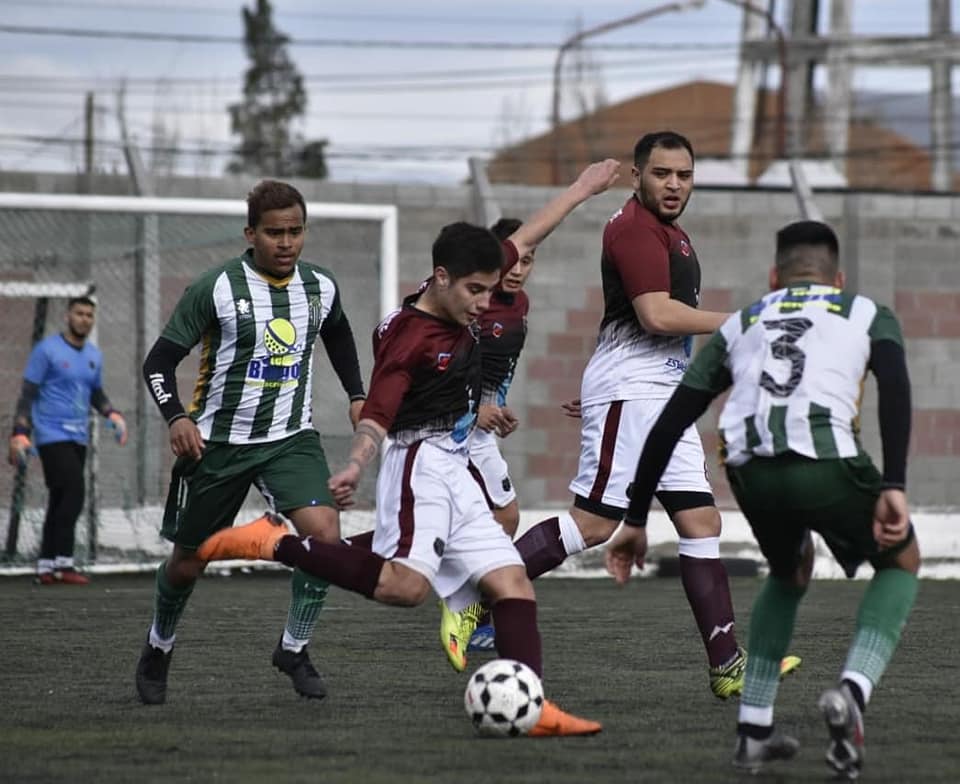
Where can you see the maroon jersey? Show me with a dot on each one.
(642, 254)
(427, 374)
(503, 330)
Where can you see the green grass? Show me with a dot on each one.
(630, 658)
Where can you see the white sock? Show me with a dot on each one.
(570, 534)
(157, 641)
(45, 565)
(865, 684)
(290, 643)
(63, 562)
(761, 716)
(707, 547)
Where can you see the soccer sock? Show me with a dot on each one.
(364, 541)
(168, 605)
(547, 544)
(352, 568)
(771, 627)
(517, 634)
(882, 615)
(705, 582)
(307, 597)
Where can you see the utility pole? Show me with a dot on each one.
(799, 76)
(839, 86)
(745, 96)
(88, 110)
(941, 100)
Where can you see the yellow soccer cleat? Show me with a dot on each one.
(456, 629)
(727, 680)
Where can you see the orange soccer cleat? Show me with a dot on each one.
(555, 722)
(253, 541)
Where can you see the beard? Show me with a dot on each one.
(648, 201)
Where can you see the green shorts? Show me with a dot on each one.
(206, 495)
(785, 496)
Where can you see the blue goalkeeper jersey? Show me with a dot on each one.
(67, 377)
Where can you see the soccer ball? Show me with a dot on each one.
(504, 698)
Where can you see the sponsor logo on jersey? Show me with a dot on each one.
(384, 325)
(685, 247)
(497, 329)
(505, 484)
(280, 366)
(673, 363)
(443, 360)
(438, 546)
(315, 307)
(243, 308)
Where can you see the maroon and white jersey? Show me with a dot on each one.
(641, 254)
(503, 331)
(427, 375)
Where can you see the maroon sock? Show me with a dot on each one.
(541, 548)
(364, 541)
(708, 592)
(353, 568)
(517, 634)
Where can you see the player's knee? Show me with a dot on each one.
(401, 586)
(908, 558)
(320, 522)
(508, 582)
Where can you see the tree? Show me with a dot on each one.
(273, 97)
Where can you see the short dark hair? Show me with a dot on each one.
(504, 227)
(797, 246)
(272, 195)
(669, 140)
(84, 300)
(462, 249)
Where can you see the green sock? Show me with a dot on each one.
(771, 627)
(880, 620)
(168, 603)
(308, 596)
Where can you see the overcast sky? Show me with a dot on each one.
(389, 112)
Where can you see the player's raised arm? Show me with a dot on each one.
(596, 178)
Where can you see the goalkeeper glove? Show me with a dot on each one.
(20, 449)
(118, 425)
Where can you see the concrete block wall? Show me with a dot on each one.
(903, 250)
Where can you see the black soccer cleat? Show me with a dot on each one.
(152, 672)
(306, 680)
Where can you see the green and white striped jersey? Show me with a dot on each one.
(796, 360)
(256, 340)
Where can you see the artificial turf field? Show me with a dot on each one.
(627, 657)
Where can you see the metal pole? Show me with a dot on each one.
(579, 38)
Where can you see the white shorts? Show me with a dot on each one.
(612, 436)
(432, 517)
(490, 470)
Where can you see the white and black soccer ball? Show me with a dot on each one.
(504, 698)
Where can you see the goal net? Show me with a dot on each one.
(140, 253)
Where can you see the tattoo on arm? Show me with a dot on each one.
(366, 442)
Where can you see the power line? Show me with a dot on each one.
(341, 43)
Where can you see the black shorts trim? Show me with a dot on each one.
(674, 501)
(599, 508)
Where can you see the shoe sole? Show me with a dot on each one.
(836, 714)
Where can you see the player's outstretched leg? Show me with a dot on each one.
(254, 541)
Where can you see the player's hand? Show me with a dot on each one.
(185, 438)
(490, 418)
(627, 546)
(510, 422)
(20, 450)
(118, 425)
(572, 409)
(597, 177)
(356, 406)
(891, 518)
(343, 485)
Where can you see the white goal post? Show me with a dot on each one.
(141, 267)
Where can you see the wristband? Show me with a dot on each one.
(21, 430)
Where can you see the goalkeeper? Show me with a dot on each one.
(61, 382)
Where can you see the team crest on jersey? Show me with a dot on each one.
(685, 247)
(497, 329)
(243, 308)
(443, 360)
